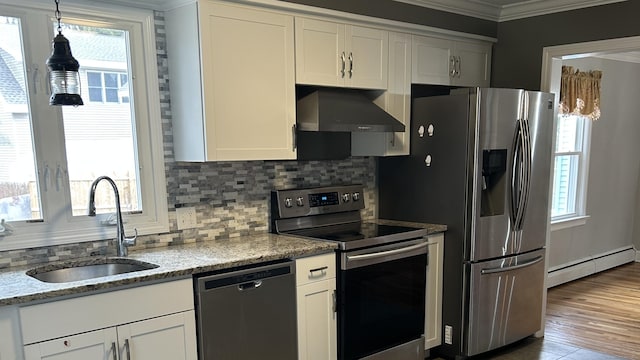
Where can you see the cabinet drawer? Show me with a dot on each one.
(85, 313)
(315, 268)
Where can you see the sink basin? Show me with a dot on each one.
(87, 269)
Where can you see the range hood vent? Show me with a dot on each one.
(343, 110)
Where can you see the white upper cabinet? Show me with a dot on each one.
(450, 62)
(396, 101)
(335, 54)
(232, 82)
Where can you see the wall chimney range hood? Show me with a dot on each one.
(343, 110)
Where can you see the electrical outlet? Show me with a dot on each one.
(448, 330)
(186, 217)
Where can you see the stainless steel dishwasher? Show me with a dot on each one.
(248, 313)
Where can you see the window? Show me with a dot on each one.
(571, 161)
(108, 87)
(49, 156)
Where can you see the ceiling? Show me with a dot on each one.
(503, 10)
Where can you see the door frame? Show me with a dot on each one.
(551, 72)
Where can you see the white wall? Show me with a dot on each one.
(614, 171)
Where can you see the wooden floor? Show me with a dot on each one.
(600, 312)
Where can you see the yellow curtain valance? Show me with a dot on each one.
(580, 93)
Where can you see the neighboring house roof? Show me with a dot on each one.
(12, 79)
(95, 46)
(84, 45)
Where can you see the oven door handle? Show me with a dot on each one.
(387, 253)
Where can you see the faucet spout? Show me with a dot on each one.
(122, 242)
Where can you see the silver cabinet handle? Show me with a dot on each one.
(318, 272)
(511, 268)
(457, 67)
(334, 306)
(127, 349)
(114, 351)
(452, 66)
(294, 137)
(350, 65)
(344, 64)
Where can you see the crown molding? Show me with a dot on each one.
(543, 7)
(475, 9)
(523, 9)
(632, 57)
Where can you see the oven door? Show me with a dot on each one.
(381, 298)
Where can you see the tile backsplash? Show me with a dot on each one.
(231, 198)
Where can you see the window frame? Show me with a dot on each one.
(579, 216)
(59, 226)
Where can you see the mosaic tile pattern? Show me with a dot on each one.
(231, 198)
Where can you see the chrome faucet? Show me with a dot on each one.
(121, 241)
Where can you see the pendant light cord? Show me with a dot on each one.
(58, 16)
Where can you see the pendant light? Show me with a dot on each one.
(63, 71)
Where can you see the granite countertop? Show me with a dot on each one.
(174, 262)
(431, 228)
(177, 261)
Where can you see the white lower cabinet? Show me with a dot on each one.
(153, 322)
(10, 341)
(317, 319)
(433, 310)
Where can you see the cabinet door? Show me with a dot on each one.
(396, 101)
(249, 83)
(433, 311)
(432, 60)
(94, 345)
(474, 63)
(167, 337)
(367, 52)
(320, 52)
(317, 321)
(10, 340)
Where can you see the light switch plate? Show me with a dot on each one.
(186, 217)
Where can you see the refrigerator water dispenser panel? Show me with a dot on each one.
(494, 166)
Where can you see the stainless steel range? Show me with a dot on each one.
(381, 270)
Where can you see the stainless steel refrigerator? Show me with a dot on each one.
(480, 163)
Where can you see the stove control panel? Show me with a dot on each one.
(315, 201)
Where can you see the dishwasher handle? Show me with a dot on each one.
(250, 285)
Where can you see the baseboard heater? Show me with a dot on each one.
(589, 266)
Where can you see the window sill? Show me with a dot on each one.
(569, 223)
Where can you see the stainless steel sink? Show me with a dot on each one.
(87, 269)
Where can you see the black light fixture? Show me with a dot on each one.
(63, 71)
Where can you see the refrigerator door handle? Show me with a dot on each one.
(527, 172)
(526, 161)
(511, 268)
(516, 176)
(521, 172)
